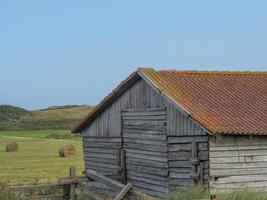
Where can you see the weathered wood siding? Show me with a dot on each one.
(151, 154)
(144, 141)
(102, 154)
(238, 162)
(180, 166)
(138, 97)
(108, 123)
(180, 125)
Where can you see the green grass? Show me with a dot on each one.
(37, 160)
(195, 193)
(34, 133)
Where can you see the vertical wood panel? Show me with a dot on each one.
(108, 123)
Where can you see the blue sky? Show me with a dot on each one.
(57, 52)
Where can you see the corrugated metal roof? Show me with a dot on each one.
(222, 102)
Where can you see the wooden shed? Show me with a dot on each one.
(166, 129)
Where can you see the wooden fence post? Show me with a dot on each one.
(72, 186)
(213, 197)
(69, 189)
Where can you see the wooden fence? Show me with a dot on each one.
(79, 188)
(91, 186)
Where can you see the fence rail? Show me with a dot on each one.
(66, 188)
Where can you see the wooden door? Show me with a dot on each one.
(144, 142)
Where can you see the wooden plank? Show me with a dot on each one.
(239, 185)
(103, 139)
(102, 144)
(143, 113)
(100, 160)
(152, 153)
(148, 163)
(232, 172)
(101, 155)
(241, 179)
(95, 176)
(239, 147)
(102, 170)
(152, 176)
(186, 147)
(145, 136)
(148, 142)
(181, 182)
(181, 170)
(90, 192)
(149, 186)
(180, 175)
(238, 165)
(103, 179)
(180, 163)
(227, 140)
(202, 155)
(147, 109)
(123, 192)
(151, 148)
(147, 170)
(144, 124)
(175, 139)
(242, 159)
(146, 157)
(99, 150)
(140, 179)
(103, 165)
(154, 132)
(179, 155)
(145, 118)
(254, 152)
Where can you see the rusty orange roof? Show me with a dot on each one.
(220, 101)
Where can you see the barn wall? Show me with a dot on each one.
(107, 127)
(180, 125)
(179, 156)
(138, 97)
(238, 162)
(102, 154)
(145, 146)
(179, 132)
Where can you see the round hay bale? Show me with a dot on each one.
(12, 147)
(67, 150)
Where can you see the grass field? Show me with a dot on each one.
(34, 133)
(37, 160)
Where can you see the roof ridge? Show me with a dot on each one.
(214, 72)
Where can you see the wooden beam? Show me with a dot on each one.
(103, 179)
(123, 192)
(72, 173)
